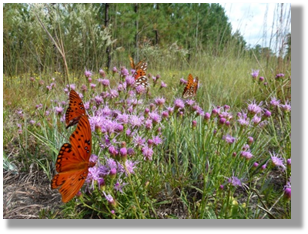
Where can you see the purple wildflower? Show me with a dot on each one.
(130, 151)
(98, 100)
(150, 142)
(183, 81)
(267, 113)
(250, 140)
(289, 163)
(255, 74)
(222, 121)
(178, 103)
(140, 89)
(229, 139)
(279, 75)
(246, 147)
(105, 82)
(274, 102)
(163, 85)
(113, 93)
(118, 186)
(215, 111)
(102, 73)
(49, 87)
(170, 110)
(246, 154)
(123, 152)
(122, 118)
(235, 181)
(165, 114)
(59, 110)
(189, 102)
(94, 175)
(39, 106)
(135, 121)
(286, 107)
(148, 124)
(254, 108)
(287, 190)
(88, 73)
(194, 123)
(130, 81)
(84, 88)
(157, 140)
(159, 101)
(112, 150)
(138, 140)
(226, 107)
(147, 153)
(155, 117)
(92, 86)
(277, 161)
(256, 119)
(130, 166)
(110, 199)
(124, 72)
(207, 116)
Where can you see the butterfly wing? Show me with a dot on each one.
(69, 183)
(188, 91)
(140, 75)
(73, 161)
(196, 84)
(132, 64)
(75, 109)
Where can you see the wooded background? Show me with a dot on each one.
(94, 36)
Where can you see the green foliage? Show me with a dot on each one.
(178, 31)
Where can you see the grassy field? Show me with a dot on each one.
(224, 154)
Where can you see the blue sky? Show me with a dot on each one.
(254, 20)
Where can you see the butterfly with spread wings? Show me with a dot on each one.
(191, 87)
(140, 72)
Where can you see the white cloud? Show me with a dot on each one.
(254, 20)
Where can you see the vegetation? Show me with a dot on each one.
(224, 154)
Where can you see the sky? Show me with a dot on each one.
(254, 20)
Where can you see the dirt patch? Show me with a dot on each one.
(26, 194)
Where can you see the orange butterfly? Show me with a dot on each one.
(75, 109)
(191, 87)
(132, 64)
(140, 73)
(73, 161)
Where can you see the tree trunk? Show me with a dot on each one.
(136, 35)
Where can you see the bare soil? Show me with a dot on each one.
(25, 194)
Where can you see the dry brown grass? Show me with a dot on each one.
(26, 194)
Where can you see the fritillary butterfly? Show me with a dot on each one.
(140, 73)
(191, 87)
(73, 161)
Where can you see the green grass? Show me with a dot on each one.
(185, 175)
